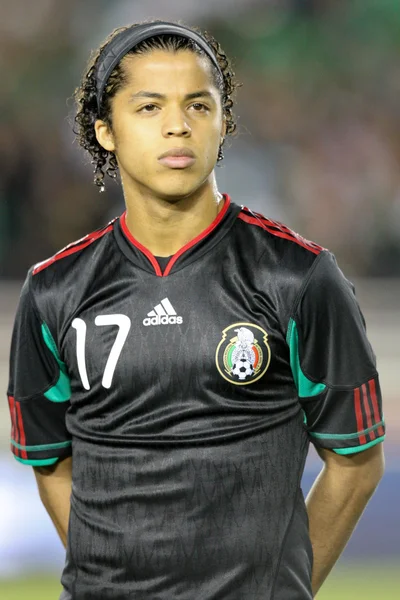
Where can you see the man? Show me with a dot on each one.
(169, 370)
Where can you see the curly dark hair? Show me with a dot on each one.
(105, 162)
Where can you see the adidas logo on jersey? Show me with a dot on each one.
(162, 314)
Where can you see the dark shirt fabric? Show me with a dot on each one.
(163, 261)
(187, 396)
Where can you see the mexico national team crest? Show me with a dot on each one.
(243, 355)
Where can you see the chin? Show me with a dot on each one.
(178, 190)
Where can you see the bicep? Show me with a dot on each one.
(366, 466)
(54, 486)
(56, 477)
(61, 469)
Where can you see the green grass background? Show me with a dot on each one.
(358, 582)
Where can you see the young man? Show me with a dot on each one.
(169, 370)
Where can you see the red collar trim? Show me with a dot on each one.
(184, 248)
(140, 246)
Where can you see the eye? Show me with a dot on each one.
(199, 107)
(148, 108)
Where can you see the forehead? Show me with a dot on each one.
(168, 70)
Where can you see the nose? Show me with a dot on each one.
(175, 124)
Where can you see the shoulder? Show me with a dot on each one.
(279, 259)
(280, 237)
(327, 288)
(58, 283)
(74, 248)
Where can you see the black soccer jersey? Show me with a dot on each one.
(188, 396)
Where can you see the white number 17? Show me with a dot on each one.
(124, 324)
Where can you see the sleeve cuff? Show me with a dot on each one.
(37, 463)
(354, 449)
(41, 454)
(350, 443)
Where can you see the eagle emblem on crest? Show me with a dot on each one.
(244, 357)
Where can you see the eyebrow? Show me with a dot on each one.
(156, 95)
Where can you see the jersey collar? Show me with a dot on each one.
(143, 258)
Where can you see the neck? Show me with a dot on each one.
(164, 226)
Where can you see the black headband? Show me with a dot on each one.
(124, 41)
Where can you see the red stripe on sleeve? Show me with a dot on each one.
(281, 234)
(285, 229)
(14, 425)
(367, 411)
(377, 417)
(11, 406)
(12, 411)
(21, 430)
(72, 248)
(359, 418)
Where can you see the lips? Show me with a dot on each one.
(177, 158)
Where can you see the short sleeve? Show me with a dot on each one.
(333, 364)
(38, 390)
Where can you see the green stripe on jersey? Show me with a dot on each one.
(41, 447)
(355, 449)
(36, 463)
(345, 436)
(305, 387)
(61, 391)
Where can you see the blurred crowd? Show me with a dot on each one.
(319, 100)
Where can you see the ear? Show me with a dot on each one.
(223, 128)
(104, 135)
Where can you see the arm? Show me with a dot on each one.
(54, 484)
(334, 369)
(336, 502)
(39, 394)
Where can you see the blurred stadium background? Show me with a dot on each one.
(318, 147)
